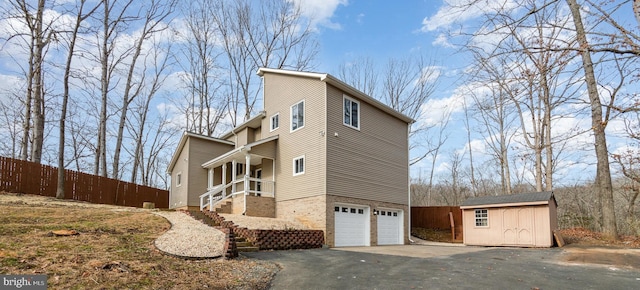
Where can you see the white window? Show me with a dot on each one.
(297, 116)
(178, 179)
(351, 110)
(275, 121)
(239, 168)
(298, 165)
(482, 218)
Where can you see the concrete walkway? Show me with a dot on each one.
(416, 251)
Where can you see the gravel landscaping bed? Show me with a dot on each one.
(189, 237)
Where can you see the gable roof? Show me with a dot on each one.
(341, 85)
(183, 140)
(253, 122)
(532, 198)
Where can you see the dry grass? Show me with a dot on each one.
(585, 237)
(114, 250)
(443, 236)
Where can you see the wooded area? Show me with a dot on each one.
(107, 86)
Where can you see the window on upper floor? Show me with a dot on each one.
(178, 179)
(275, 122)
(297, 116)
(351, 115)
(298, 165)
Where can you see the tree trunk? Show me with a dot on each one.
(38, 91)
(603, 174)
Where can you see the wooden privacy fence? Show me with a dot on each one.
(32, 178)
(438, 217)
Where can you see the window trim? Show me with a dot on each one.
(480, 215)
(352, 100)
(304, 112)
(271, 128)
(239, 168)
(304, 165)
(179, 179)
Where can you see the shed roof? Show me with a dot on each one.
(509, 200)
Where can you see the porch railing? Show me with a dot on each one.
(218, 193)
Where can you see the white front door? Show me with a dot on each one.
(390, 225)
(351, 225)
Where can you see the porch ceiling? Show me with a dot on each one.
(239, 154)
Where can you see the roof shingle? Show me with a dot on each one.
(510, 198)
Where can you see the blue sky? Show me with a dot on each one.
(380, 30)
(386, 29)
(377, 29)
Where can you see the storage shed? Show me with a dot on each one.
(521, 220)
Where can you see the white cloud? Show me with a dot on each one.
(320, 12)
(454, 11)
(442, 40)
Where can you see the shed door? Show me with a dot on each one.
(351, 226)
(517, 226)
(390, 227)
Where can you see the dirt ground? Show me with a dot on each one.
(109, 247)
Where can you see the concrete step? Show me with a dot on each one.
(243, 244)
(248, 249)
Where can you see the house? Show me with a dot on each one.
(522, 220)
(321, 153)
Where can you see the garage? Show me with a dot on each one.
(521, 220)
(390, 227)
(351, 225)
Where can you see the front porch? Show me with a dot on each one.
(242, 181)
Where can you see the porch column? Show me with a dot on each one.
(224, 180)
(247, 172)
(233, 176)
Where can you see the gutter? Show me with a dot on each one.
(409, 182)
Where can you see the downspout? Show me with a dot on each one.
(409, 182)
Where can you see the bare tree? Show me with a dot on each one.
(603, 173)
(157, 12)
(203, 104)
(362, 74)
(81, 16)
(160, 61)
(35, 40)
(114, 16)
(273, 35)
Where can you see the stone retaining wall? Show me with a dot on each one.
(273, 239)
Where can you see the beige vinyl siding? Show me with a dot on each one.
(178, 196)
(281, 92)
(200, 151)
(370, 163)
(243, 137)
(265, 150)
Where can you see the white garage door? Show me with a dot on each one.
(351, 226)
(390, 227)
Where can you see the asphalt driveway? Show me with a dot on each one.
(442, 267)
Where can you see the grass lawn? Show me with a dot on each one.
(113, 250)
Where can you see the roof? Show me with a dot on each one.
(183, 140)
(343, 86)
(237, 153)
(533, 198)
(254, 122)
